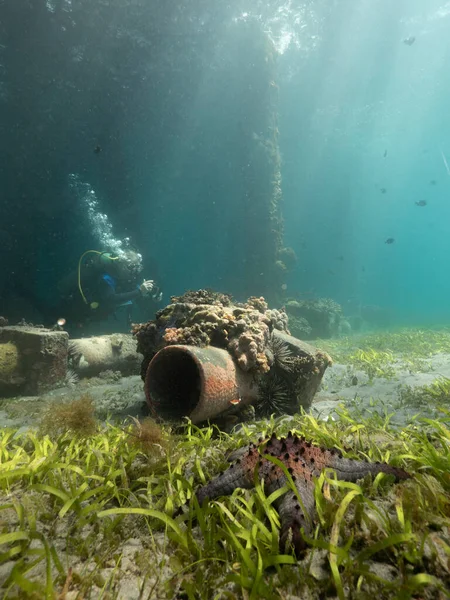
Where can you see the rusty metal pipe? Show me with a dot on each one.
(199, 383)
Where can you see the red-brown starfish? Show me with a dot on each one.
(303, 461)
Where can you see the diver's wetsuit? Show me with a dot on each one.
(107, 293)
(102, 300)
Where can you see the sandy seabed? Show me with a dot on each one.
(118, 398)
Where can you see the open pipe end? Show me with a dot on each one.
(173, 383)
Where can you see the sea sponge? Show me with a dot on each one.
(243, 329)
(9, 361)
(203, 297)
(257, 303)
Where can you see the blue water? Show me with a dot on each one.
(368, 94)
(160, 90)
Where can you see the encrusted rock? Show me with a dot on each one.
(242, 329)
(286, 370)
(322, 315)
(117, 352)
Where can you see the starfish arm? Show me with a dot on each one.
(295, 515)
(225, 483)
(352, 470)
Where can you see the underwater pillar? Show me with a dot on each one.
(260, 219)
(199, 383)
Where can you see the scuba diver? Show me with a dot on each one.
(105, 282)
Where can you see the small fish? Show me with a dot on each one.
(433, 182)
(59, 325)
(236, 401)
(385, 154)
(389, 241)
(383, 190)
(97, 149)
(339, 257)
(421, 203)
(409, 41)
(354, 380)
(363, 269)
(330, 272)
